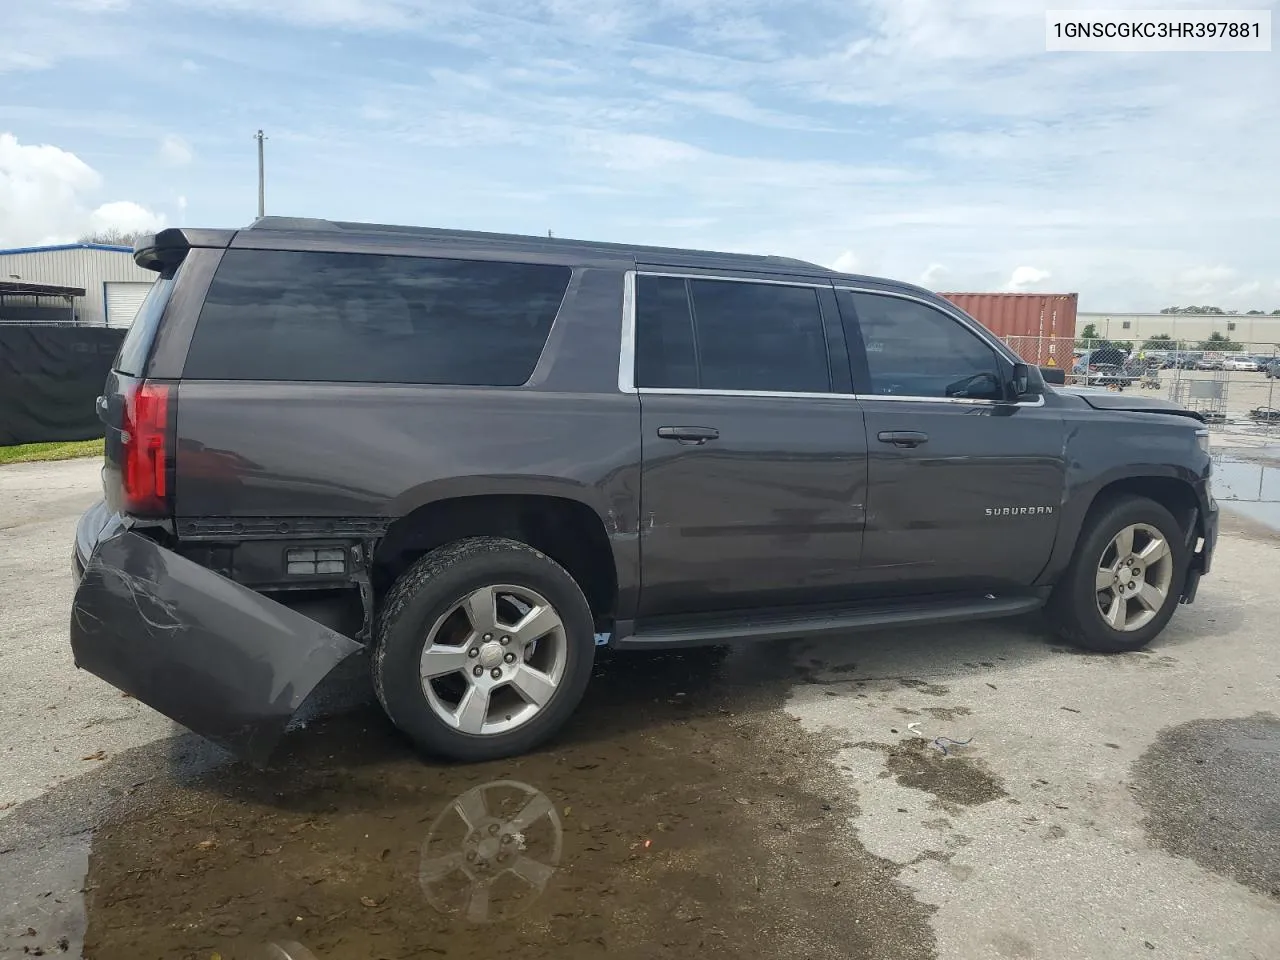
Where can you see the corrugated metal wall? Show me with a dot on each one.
(1040, 326)
(77, 266)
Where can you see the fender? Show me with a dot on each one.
(1082, 492)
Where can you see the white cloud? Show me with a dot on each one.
(847, 262)
(934, 276)
(97, 6)
(22, 60)
(46, 195)
(1024, 278)
(127, 216)
(175, 151)
(190, 66)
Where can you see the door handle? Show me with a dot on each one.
(694, 435)
(903, 438)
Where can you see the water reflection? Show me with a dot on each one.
(1249, 488)
(491, 852)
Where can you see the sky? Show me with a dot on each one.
(932, 141)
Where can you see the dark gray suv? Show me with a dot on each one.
(484, 457)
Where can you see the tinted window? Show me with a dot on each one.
(136, 346)
(273, 315)
(664, 334)
(917, 351)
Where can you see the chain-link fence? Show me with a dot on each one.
(1236, 385)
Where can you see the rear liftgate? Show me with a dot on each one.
(220, 659)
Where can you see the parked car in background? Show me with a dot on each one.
(1240, 363)
(1272, 370)
(1186, 360)
(1210, 361)
(1103, 367)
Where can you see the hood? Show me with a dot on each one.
(1128, 403)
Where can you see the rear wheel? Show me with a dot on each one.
(1123, 583)
(484, 649)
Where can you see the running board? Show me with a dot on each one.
(792, 626)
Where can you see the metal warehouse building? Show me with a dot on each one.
(89, 284)
(1251, 329)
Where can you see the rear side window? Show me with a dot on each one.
(729, 335)
(349, 317)
(136, 346)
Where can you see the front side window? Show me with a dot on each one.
(729, 335)
(348, 317)
(914, 350)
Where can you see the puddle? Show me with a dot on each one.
(1211, 789)
(1248, 488)
(681, 813)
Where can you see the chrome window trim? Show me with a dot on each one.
(627, 353)
(784, 394)
(966, 401)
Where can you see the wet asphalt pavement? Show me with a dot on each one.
(973, 792)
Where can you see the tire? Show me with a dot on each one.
(1076, 607)
(440, 598)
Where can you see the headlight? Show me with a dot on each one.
(1202, 440)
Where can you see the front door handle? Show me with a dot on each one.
(903, 438)
(694, 435)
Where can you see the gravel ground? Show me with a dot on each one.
(781, 800)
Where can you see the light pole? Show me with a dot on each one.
(262, 181)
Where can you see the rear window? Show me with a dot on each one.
(349, 317)
(136, 346)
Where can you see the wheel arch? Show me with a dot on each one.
(566, 529)
(1171, 487)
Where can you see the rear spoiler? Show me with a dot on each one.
(168, 248)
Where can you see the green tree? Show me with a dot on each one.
(1087, 337)
(1161, 341)
(1219, 343)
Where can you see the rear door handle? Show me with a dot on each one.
(694, 435)
(903, 438)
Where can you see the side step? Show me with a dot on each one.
(784, 625)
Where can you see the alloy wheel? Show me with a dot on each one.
(1134, 576)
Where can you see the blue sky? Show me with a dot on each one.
(933, 141)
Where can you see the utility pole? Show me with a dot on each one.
(262, 182)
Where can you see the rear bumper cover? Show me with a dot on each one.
(229, 664)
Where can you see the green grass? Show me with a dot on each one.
(31, 452)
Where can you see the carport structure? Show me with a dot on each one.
(23, 302)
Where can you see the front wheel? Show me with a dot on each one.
(484, 649)
(1123, 583)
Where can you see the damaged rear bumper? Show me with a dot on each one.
(222, 660)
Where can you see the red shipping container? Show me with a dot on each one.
(1040, 327)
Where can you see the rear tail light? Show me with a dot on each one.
(146, 449)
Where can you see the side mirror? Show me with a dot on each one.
(1054, 375)
(1027, 382)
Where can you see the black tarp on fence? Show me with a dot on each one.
(50, 378)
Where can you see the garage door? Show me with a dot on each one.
(123, 301)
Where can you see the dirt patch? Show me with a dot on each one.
(682, 813)
(955, 780)
(947, 713)
(923, 686)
